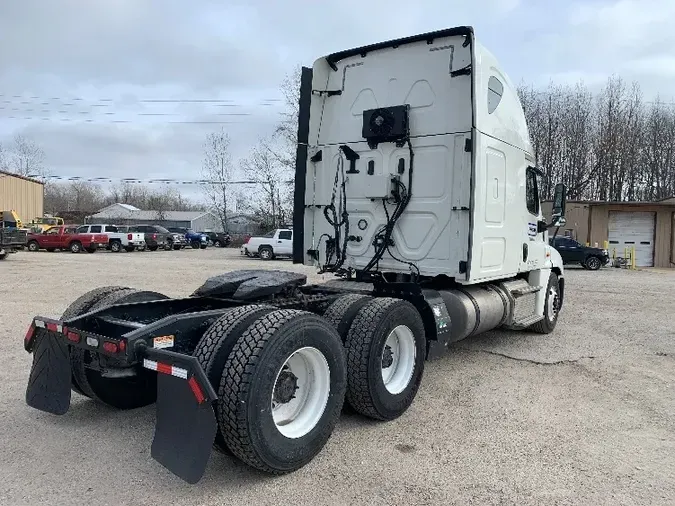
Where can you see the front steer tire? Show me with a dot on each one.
(215, 346)
(251, 382)
(367, 356)
(551, 307)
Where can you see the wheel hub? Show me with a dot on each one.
(387, 357)
(285, 387)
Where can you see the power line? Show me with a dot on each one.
(118, 121)
(132, 180)
(8, 97)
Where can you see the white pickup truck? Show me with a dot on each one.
(117, 240)
(278, 242)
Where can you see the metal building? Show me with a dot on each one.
(649, 227)
(124, 214)
(23, 195)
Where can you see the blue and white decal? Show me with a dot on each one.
(532, 229)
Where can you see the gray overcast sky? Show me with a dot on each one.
(112, 54)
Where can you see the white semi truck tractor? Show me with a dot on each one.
(417, 187)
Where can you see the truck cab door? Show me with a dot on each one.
(50, 239)
(284, 242)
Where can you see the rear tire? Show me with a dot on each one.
(91, 250)
(129, 249)
(33, 246)
(121, 393)
(82, 305)
(194, 244)
(153, 248)
(215, 346)
(115, 246)
(75, 247)
(266, 253)
(386, 347)
(274, 418)
(341, 313)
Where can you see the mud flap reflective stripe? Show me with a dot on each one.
(186, 423)
(49, 383)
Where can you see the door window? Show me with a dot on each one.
(531, 191)
(83, 229)
(96, 229)
(285, 234)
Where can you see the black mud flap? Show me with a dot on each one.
(186, 423)
(49, 383)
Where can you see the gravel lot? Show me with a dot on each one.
(585, 415)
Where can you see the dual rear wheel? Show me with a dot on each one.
(282, 375)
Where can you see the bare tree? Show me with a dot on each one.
(271, 200)
(26, 158)
(605, 146)
(286, 133)
(3, 159)
(217, 169)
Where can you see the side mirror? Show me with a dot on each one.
(559, 201)
(559, 221)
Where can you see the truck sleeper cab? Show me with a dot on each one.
(416, 186)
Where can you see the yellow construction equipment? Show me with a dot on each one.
(10, 219)
(41, 224)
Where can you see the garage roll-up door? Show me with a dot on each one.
(636, 229)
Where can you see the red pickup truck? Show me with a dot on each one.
(66, 237)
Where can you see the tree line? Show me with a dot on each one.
(612, 145)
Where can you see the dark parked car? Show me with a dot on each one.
(196, 240)
(573, 252)
(218, 239)
(156, 236)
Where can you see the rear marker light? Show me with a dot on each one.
(92, 341)
(110, 347)
(196, 390)
(29, 333)
(123, 346)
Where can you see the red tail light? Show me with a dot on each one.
(73, 337)
(110, 347)
(154, 237)
(130, 236)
